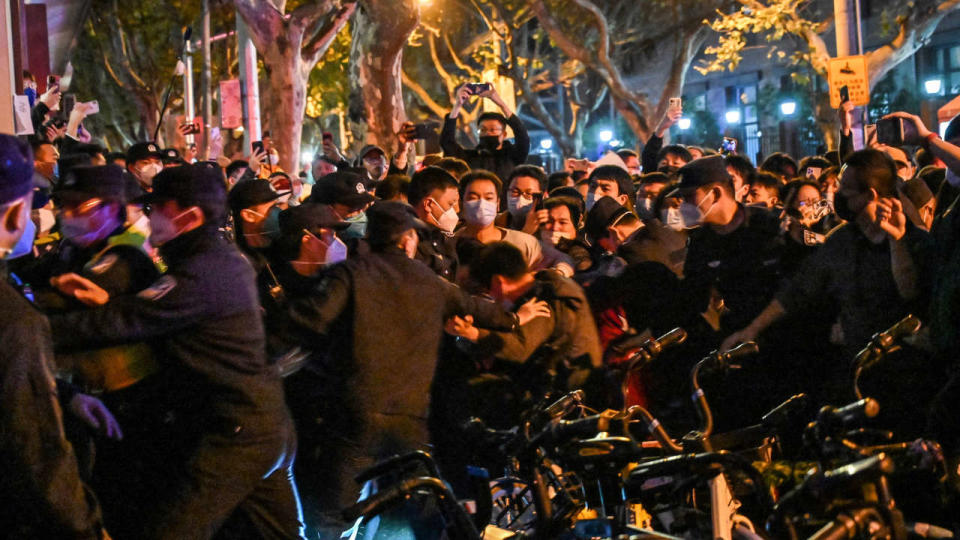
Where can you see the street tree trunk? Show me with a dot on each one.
(379, 35)
(291, 45)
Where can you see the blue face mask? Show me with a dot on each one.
(358, 226)
(25, 244)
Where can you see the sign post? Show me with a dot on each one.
(849, 71)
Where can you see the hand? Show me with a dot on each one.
(736, 338)
(490, 94)
(462, 327)
(257, 158)
(890, 217)
(463, 95)
(331, 151)
(185, 129)
(406, 135)
(54, 133)
(216, 145)
(51, 98)
(532, 309)
(81, 288)
(96, 415)
(535, 218)
(922, 131)
(78, 113)
(669, 119)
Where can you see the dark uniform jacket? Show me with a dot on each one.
(41, 495)
(206, 311)
(438, 250)
(384, 314)
(501, 161)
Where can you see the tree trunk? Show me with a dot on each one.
(285, 103)
(380, 33)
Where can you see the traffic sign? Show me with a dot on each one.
(849, 71)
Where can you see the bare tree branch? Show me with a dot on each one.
(317, 45)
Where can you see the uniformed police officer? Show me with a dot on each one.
(205, 316)
(41, 494)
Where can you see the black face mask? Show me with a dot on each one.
(489, 142)
(841, 205)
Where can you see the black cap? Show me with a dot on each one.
(311, 217)
(16, 168)
(655, 177)
(88, 181)
(199, 184)
(366, 150)
(704, 171)
(143, 150)
(341, 187)
(604, 213)
(567, 191)
(251, 193)
(386, 219)
(171, 156)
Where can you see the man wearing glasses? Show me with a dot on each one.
(493, 152)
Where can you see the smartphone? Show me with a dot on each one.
(424, 130)
(814, 172)
(327, 136)
(479, 88)
(52, 80)
(894, 131)
(92, 107)
(537, 201)
(844, 94)
(676, 103)
(66, 105)
(728, 146)
(257, 146)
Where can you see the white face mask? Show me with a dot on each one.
(480, 212)
(673, 219)
(448, 220)
(692, 215)
(273, 158)
(162, 229)
(336, 252)
(952, 178)
(516, 204)
(554, 237)
(591, 199)
(148, 172)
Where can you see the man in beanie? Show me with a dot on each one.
(41, 494)
(382, 314)
(231, 419)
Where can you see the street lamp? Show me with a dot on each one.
(933, 86)
(546, 144)
(306, 157)
(733, 116)
(605, 135)
(788, 107)
(683, 124)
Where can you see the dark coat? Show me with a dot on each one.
(501, 161)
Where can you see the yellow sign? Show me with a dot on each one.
(849, 71)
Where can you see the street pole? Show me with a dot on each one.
(188, 110)
(249, 89)
(841, 18)
(205, 82)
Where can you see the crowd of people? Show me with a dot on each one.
(182, 339)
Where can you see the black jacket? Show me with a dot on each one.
(439, 251)
(500, 161)
(41, 494)
(383, 314)
(205, 315)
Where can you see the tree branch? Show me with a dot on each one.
(321, 39)
(424, 96)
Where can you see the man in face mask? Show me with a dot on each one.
(373, 160)
(493, 152)
(610, 181)
(732, 247)
(253, 204)
(205, 314)
(434, 196)
(144, 162)
(45, 157)
(347, 194)
(651, 184)
(44, 496)
(525, 191)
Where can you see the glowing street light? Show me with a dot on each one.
(733, 116)
(788, 107)
(683, 124)
(933, 86)
(605, 135)
(546, 144)
(306, 157)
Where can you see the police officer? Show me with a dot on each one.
(99, 254)
(41, 494)
(383, 313)
(205, 317)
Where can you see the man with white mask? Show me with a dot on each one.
(434, 196)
